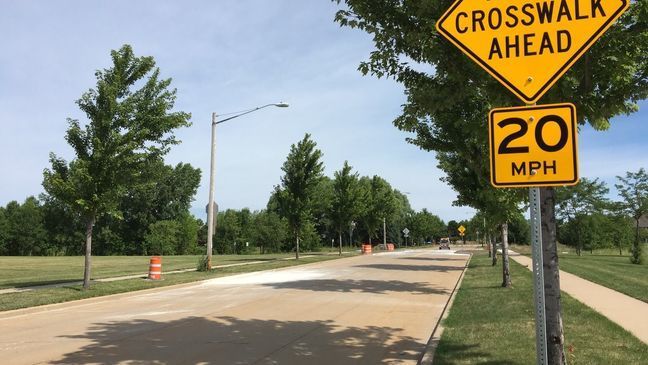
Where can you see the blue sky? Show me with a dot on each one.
(226, 56)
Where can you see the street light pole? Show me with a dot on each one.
(210, 205)
(212, 175)
(384, 232)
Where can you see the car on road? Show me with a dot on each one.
(444, 243)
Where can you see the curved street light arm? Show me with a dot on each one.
(280, 105)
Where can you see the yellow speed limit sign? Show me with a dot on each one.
(533, 146)
(528, 45)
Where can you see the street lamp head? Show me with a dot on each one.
(281, 105)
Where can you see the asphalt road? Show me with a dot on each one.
(377, 309)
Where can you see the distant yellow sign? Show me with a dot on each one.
(533, 146)
(528, 45)
(461, 229)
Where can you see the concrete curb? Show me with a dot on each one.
(430, 349)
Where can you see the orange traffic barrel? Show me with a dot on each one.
(366, 248)
(155, 268)
(390, 247)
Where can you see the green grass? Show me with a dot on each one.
(604, 267)
(29, 271)
(490, 324)
(74, 292)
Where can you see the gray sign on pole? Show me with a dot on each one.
(406, 232)
(215, 211)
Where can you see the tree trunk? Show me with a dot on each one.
(579, 244)
(506, 273)
(493, 249)
(297, 247)
(636, 248)
(555, 336)
(488, 245)
(340, 233)
(88, 253)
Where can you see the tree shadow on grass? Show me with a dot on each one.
(438, 268)
(360, 286)
(250, 260)
(450, 353)
(25, 284)
(229, 340)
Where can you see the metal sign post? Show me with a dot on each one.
(538, 276)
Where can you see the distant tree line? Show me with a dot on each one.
(587, 219)
(319, 211)
(154, 219)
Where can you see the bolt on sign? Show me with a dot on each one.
(528, 45)
(533, 146)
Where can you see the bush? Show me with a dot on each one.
(202, 263)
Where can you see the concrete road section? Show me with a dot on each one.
(377, 309)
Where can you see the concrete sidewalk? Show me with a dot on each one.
(627, 312)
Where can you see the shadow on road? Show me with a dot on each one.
(228, 340)
(359, 286)
(429, 258)
(400, 267)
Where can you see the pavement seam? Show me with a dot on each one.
(428, 355)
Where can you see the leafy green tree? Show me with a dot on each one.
(574, 202)
(633, 188)
(519, 231)
(302, 172)
(270, 231)
(229, 232)
(606, 82)
(187, 235)
(425, 226)
(25, 231)
(4, 231)
(128, 129)
(310, 239)
(379, 203)
(618, 230)
(399, 219)
(167, 195)
(63, 225)
(320, 207)
(346, 201)
(453, 227)
(162, 238)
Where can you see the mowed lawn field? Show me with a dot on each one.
(488, 324)
(18, 272)
(604, 267)
(68, 267)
